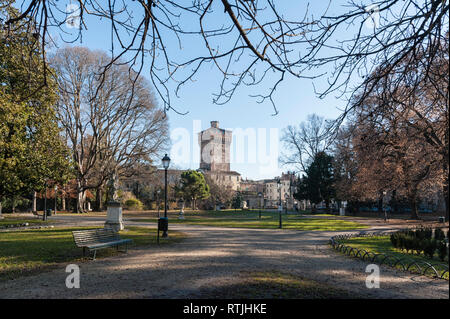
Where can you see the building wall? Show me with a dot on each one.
(227, 179)
(215, 148)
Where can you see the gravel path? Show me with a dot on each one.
(212, 258)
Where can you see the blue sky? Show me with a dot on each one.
(295, 98)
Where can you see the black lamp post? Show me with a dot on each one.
(166, 163)
(259, 196)
(280, 225)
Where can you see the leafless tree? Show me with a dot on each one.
(250, 41)
(393, 158)
(346, 168)
(109, 127)
(415, 95)
(220, 194)
(304, 142)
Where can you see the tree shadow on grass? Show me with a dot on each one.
(273, 284)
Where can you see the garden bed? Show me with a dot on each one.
(378, 249)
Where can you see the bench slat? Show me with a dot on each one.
(85, 238)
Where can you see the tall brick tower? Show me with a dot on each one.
(215, 148)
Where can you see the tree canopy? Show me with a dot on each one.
(318, 183)
(31, 149)
(193, 187)
(251, 43)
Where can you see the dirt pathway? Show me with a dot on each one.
(211, 258)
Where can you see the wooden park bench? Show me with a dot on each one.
(95, 239)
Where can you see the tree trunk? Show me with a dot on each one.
(380, 204)
(63, 201)
(327, 206)
(414, 207)
(98, 198)
(81, 195)
(34, 207)
(446, 201)
(1, 216)
(445, 190)
(394, 202)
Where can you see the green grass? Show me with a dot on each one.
(269, 220)
(18, 220)
(382, 244)
(276, 285)
(30, 251)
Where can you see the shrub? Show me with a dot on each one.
(428, 233)
(442, 250)
(420, 233)
(411, 233)
(421, 241)
(394, 239)
(417, 245)
(401, 241)
(133, 203)
(430, 247)
(409, 243)
(439, 234)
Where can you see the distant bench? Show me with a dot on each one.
(95, 239)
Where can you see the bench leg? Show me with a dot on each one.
(95, 253)
(126, 248)
(84, 251)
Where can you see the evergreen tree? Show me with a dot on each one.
(31, 149)
(318, 183)
(192, 187)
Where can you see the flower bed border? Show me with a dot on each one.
(407, 264)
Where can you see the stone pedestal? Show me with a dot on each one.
(181, 215)
(114, 216)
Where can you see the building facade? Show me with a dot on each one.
(215, 148)
(215, 156)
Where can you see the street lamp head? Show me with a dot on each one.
(166, 161)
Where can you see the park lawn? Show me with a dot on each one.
(7, 220)
(269, 220)
(276, 285)
(382, 244)
(31, 251)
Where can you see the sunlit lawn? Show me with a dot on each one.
(29, 251)
(250, 219)
(382, 244)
